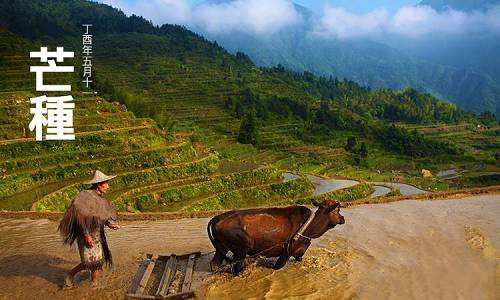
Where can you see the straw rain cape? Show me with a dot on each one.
(87, 214)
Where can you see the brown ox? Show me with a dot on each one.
(269, 232)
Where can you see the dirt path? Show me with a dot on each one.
(84, 133)
(410, 249)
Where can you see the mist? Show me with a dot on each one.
(260, 17)
(264, 17)
(407, 22)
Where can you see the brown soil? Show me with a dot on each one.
(408, 249)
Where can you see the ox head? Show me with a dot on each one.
(331, 209)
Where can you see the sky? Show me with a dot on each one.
(341, 19)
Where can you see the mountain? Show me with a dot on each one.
(475, 52)
(447, 71)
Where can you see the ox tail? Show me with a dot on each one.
(210, 230)
(218, 245)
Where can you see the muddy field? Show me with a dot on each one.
(444, 249)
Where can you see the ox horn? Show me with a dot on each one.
(315, 203)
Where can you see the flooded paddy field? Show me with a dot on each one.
(445, 249)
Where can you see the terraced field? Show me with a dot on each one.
(189, 93)
(479, 141)
(196, 165)
(180, 94)
(155, 171)
(193, 100)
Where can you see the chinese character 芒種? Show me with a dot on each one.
(55, 113)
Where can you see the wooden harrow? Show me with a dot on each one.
(169, 277)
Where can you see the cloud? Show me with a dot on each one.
(340, 23)
(408, 21)
(268, 16)
(414, 21)
(158, 11)
(255, 16)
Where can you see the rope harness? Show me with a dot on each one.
(301, 235)
(302, 229)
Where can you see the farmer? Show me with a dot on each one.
(84, 222)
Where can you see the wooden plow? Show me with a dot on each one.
(169, 277)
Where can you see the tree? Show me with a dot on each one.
(361, 154)
(363, 151)
(351, 144)
(261, 107)
(239, 108)
(229, 103)
(248, 129)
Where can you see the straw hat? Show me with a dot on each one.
(99, 177)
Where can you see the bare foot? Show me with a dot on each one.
(68, 281)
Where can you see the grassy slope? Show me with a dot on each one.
(46, 175)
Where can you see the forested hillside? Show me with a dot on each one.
(460, 70)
